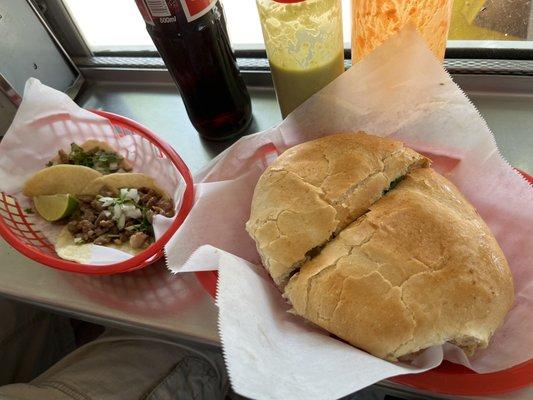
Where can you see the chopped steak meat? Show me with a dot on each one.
(63, 157)
(106, 218)
(138, 240)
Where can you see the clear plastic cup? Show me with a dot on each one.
(303, 40)
(373, 21)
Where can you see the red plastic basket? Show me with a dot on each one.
(22, 235)
(447, 378)
(148, 292)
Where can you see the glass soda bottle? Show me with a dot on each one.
(192, 39)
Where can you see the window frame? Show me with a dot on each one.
(63, 26)
(69, 35)
(75, 86)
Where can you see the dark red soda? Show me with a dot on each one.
(192, 39)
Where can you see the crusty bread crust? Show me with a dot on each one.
(419, 269)
(389, 271)
(314, 190)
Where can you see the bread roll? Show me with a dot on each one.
(391, 269)
(315, 189)
(419, 269)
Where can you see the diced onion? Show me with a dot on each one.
(117, 211)
(129, 194)
(121, 221)
(131, 211)
(106, 201)
(133, 194)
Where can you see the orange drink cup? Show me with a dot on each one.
(373, 21)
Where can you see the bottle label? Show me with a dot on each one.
(196, 8)
(144, 12)
(158, 9)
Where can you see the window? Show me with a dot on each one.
(492, 20)
(110, 25)
(117, 25)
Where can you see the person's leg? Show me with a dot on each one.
(123, 368)
(31, 340)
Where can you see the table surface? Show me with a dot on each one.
(176, 306)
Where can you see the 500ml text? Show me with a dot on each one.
(167, 20)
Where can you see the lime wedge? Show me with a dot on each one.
(56, 206)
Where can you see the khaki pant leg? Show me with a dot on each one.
(119, 369)
(31, 340)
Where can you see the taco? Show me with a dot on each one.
(60, 179)
(117, 181)
(114, 210)
(94, 154)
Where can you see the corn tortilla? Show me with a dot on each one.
(81, 253)
(60, 179)
(121, 180)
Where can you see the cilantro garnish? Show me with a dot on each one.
(98, 159)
